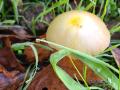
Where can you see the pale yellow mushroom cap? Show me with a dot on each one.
(79, 30)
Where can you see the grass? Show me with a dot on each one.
(64, 75)
(82, 77)
(92, 62)
(105, 9)
(107, 72)
(33, 71)
(15, 5)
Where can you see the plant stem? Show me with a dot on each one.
(78, 72)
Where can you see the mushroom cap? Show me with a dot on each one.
(79, 30)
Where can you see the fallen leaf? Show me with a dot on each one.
(10, 80)
(42, 53)
(9, 34)
(14, 32)
(66, 64)
(9, 60)
(7, 56)
(46, 79)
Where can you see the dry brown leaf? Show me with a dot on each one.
(66, 64)
(46, 79)
(9, 34)
(9, 60)
(7, 56)
(42, 53)
(10, 80)
(14, 32)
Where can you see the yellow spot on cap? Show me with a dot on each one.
(76, 21)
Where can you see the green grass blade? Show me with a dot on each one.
(79, 5)
(111, 48)
(1, 5)
(15, 5)
(101, 7)
(115, 29)
(78, 52)
(57, 4)
(98, 66)
(105, 9)
(89, 6)
(19, 46)
(8, 22)
(70, 83)
(101, 70)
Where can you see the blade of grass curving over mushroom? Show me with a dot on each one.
(78, 52)
(98, 66)
(64, 77)
(70, 83)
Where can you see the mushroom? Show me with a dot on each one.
(79, 30)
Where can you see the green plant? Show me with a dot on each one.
(31, 71)
(15, 4)
(46, 11)
(98, 66)
(105, 9)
